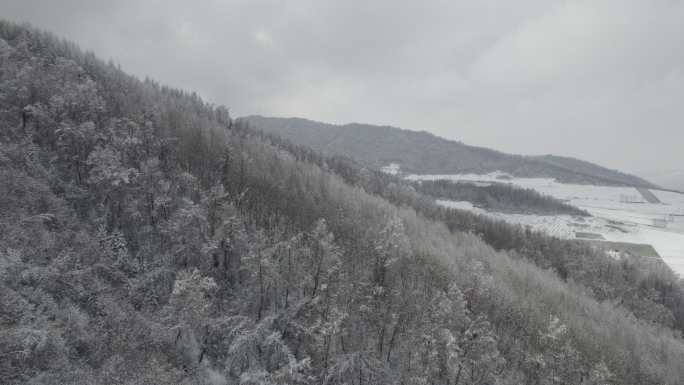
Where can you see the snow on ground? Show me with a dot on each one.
(670, 198)
(561, 226)
(462, 205)
(392, 169)
(668, 244)
(619, 214)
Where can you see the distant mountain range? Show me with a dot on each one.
(424, 153)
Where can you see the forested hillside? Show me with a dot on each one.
(498, 197)
(424, 153)
(147, 238)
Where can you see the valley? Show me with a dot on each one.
(625, 219)
(618, 211)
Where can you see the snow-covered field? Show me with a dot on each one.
(619, 214)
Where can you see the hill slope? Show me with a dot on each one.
(424, 153)
(146, 238)
(670, 179)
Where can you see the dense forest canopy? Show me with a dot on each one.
(146, 237)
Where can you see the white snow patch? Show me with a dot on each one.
(392, 169)
(462, 205)
(614, 254)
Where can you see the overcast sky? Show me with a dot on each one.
(599, 80)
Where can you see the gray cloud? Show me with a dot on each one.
(602, 80)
